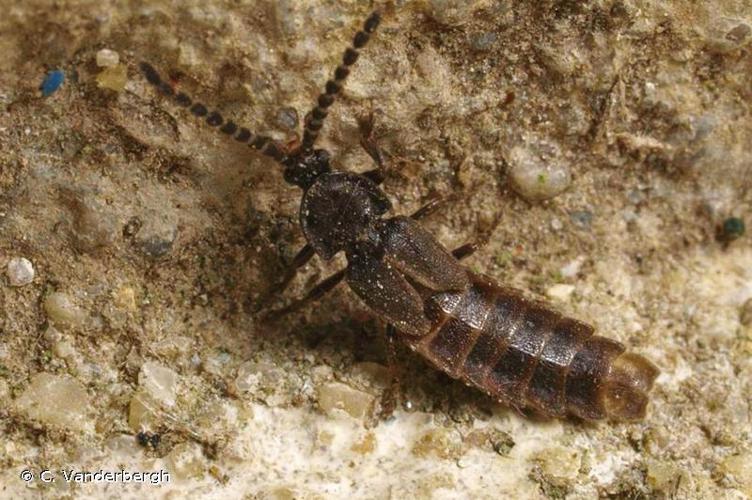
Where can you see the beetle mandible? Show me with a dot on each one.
(514, 349)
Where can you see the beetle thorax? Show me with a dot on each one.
(340, 209)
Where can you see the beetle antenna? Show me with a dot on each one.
(263, 144)
(315, 119)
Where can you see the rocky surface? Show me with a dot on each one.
(598, 146)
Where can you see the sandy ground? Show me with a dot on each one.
(151, 237)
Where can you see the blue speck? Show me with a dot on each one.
(52, 82)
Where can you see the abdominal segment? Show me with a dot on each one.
(527, 355)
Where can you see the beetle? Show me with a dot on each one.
(518, 351)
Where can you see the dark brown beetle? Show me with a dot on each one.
(514, 349)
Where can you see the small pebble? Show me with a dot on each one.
(636, 196)
(559, 465)
(439, 442)
(187, 55)
(560, 291)
(62, 311)
(336, 397)
(124, 298)
(483, 41)
(581, 218)
(727, 34)
(186, 461)
(572, 268)
(537, 171)
(20, 271)
(94, 224)
(661, 476)
(366, 445)
(739, 467)
(452, 12)
(122, 444)
(107, 58)
(501, 442)
(157, 236)
(143, 412)
(52, 82)
(64, 350)
(251, 376)
(56, 400)
(287, 118)
(113, 78)
(159, 382)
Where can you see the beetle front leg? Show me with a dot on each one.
(318, 291)
(367, 142)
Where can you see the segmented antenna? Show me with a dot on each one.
(261, 143)
(315, 120)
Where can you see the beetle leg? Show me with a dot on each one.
(301, 259)
(367, 142)
(465, 250)
(314, 294)
(427, 209)
(393, 393)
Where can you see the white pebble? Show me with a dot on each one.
(560, 292)
(571, 269)
(56, 400)
(20, 271)
(538, 172)
(159, 382)
(186, 461)
(335, 398)
(107, 58)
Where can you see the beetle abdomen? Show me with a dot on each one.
(527, 355)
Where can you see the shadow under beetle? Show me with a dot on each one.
(514, 349)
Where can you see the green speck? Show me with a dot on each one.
(503, 257)
(732, 228)
(538, 280)
(542, 178)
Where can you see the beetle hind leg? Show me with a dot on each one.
(392, 395)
